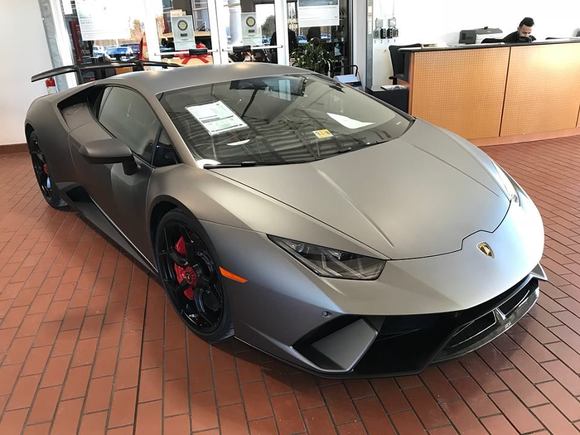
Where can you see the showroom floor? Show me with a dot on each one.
(88, 342)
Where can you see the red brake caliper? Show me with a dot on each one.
(187, 273)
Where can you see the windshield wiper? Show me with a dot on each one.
(229, 165)
(252, 163)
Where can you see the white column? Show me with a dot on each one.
(235, 22)
(150, 8)
(62, 40)
(281, 11)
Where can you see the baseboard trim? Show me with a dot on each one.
(13, 148)
(531, 137)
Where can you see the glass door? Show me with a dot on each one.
(253, 30)
(185, 32)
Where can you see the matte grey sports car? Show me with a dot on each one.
(307, 218)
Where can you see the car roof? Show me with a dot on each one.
(163, 80)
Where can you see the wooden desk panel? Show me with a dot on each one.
(461, 90)
(543, 89)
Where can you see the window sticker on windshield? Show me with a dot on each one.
(216, 118)
(323, 134)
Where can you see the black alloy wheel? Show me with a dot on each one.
(191, 277)
(42, 173)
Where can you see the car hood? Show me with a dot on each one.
(415, 196)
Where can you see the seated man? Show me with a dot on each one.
(523, 34)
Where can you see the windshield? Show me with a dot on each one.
(278, 120)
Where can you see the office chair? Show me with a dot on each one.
(400, 70)
(491, 40)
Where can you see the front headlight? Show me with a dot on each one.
(506, 184)
(332, 263)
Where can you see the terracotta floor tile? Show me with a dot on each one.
(84, 352)
(554, 421)
(12, 422)
(36, 361)
(307, 391)
(176, 398)
(288, 417)
(151, 385)
(176, 424)
(99, 395)
(93, 424)
(8, 377)
(339, 404)
(355, 428)
(44, 405)
(522, 387)
(233, 420)
(18, 350)
(123, 407)
(475, 397)
(439, 385)
(76, 382)
(203, 414)
(227, 387)
(318, 421)
(105, 362)
(265, 426)
(562, 373)
(390, 395)
(407, 422)
(23, 392)
(516, 412)
(462, 418)
(373, 416)
(55, 371)
(149, 418)
(67, 416)
(256, 400)
(425, 406)
(498, 425)
(37, 429)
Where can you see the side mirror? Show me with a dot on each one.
(109, 151)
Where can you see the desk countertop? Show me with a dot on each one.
(482, 46)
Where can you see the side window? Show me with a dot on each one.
(128, 117)
(164, 154)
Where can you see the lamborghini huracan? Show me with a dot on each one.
(310, 220)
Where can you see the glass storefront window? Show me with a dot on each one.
(325, 22)
(103, 32)
(250, 30)
(200, 32)
(185, 25)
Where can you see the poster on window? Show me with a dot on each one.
(182, 29)
(103, 19)
(251, 31)
(318, 13)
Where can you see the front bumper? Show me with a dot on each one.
(401, 345)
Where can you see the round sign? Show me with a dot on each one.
(182, 25)
(250, 21)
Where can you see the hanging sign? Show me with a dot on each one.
(251, 32)
(103, 19)
(182, 28)
(318, 13)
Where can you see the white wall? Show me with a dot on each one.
(440, 22)
(24, 52)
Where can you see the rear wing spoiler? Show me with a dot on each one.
(138, 65)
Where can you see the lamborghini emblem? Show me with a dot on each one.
(486, 249)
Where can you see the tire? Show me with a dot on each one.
(189, 271)
(42, 173)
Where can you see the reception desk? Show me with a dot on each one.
(491, 91)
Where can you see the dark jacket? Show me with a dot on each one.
(514, 37)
